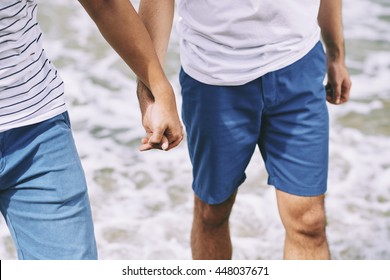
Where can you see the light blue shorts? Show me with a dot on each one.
(283, 112)
(43, 193)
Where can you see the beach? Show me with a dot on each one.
(142, 201)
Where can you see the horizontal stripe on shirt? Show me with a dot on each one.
(30, 88)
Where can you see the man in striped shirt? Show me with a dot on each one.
(43, 194)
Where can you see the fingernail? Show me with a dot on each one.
(164, 146)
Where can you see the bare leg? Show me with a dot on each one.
(304, 221)
(210, 236)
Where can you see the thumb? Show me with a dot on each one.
(164, 143)
(337, 95)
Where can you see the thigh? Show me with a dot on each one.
(295, 134)
(222, 125)
(302, 214)
(44, 195)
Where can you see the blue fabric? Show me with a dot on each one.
(43, 193)
(283, 112)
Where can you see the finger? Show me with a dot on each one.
(164, 143)
(148, 146)
(175, 143)
(333, 93)
(156, 137)
(174, 135)
(346, 88)
(145, 147)
(337, 94)
(330, 93)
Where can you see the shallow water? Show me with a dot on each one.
(142, 202)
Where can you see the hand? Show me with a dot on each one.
(339, 83)
(163, 128)
(160, 120)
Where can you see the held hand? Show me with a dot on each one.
(161, 122)
(339, 83)
(163, 128)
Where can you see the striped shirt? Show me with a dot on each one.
(30, 88)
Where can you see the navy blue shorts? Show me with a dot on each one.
(283, 112)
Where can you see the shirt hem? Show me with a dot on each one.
(204, 78)
(37, 119)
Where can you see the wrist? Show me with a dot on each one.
(335, 51)
(163, 92)
(335, 57)
(145, 97)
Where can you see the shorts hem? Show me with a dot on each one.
(297, 190)
(212, 199)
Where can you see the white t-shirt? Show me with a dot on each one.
(232, 42)
(30, 88)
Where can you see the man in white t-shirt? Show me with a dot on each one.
(252, 75)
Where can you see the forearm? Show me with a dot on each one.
(123, 29)
(157, 16)
(330, 22)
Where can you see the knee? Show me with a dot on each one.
(309, 225)
(312, 224)
(213, 216)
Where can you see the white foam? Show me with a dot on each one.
(142, 202)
